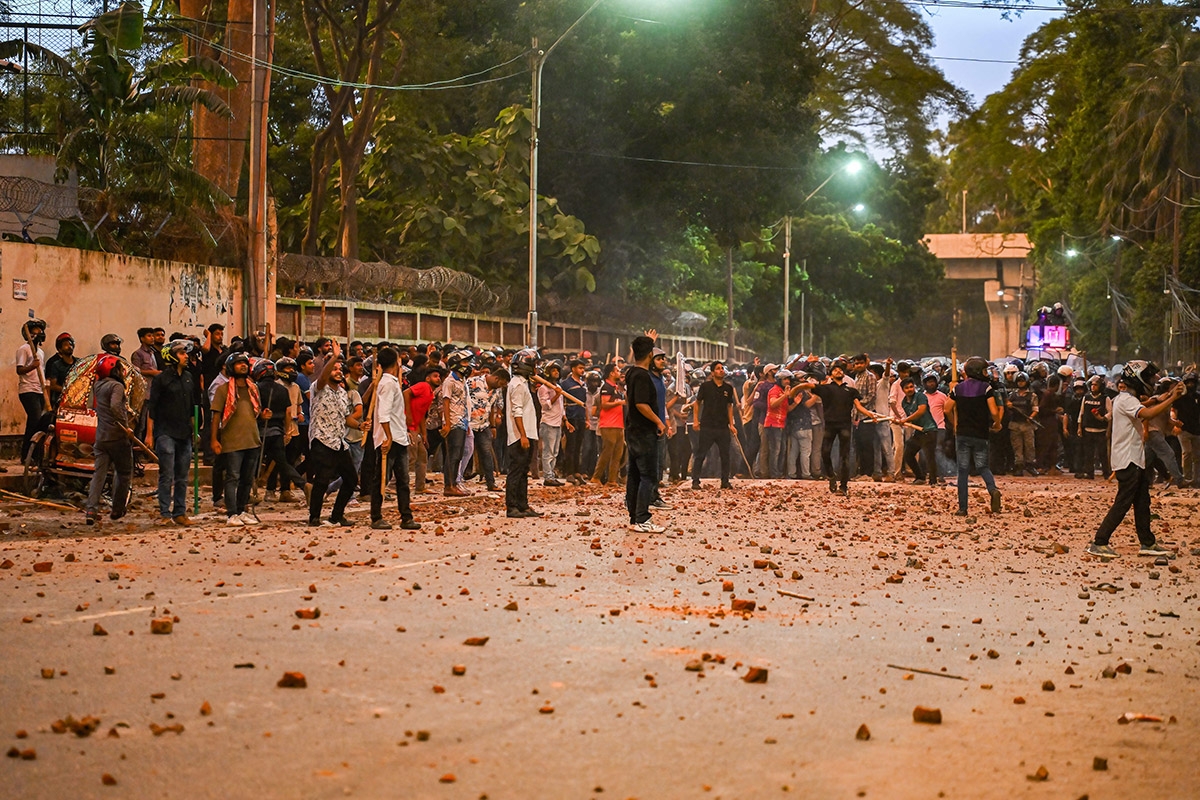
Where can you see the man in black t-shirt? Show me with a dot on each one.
(838, 401)
(643, 427)
(712, 416)
(976, 413)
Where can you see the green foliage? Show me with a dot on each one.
(1088, 140)
(117, 128)
(462, 201)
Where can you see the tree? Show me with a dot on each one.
(219, 140)
(110, 119)
(463, 201)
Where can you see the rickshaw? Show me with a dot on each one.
(61, 458)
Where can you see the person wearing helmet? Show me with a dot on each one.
(1093, 423)
(1129, 459)
(924, 441)
(976, 414)
(899, 432)
(111, 343)
(1072, 427)
(520, 415)
(112, 446)
(236, 408)
(59, 366)
(275, 388)
(32, 389)
(798, 428)
(1048, 436)
(551, 426)
(1022, 404)
(1187, 412)
(1160, 457)
(170, 405)
(456, 412)
(589, 452)
(775, 421)
(572, 448)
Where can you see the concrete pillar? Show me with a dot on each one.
(1004, 317)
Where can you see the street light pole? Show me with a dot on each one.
(539, 60)
(852, 167)
(787, 285)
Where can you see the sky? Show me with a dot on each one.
(979, 33)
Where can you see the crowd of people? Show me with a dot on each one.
(283, 422)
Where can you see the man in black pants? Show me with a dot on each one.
(643, 430)
(520, 413)
(838, 401)
(712, 416)
(390, 430)
(330, 453)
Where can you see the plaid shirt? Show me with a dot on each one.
(866, 382)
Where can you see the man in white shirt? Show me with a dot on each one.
(550, 428)
(520, 415)
(390, 435)
(32, 389)
(1129, 459)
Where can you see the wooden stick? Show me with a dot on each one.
(544, 382)
(928, 672)
(797, 596)
(27, 499)
(321, 331)
(141, 445)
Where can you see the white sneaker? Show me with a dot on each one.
(249, 518)
(235, 521)
(647, 527)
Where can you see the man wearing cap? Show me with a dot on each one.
(895, 398)
(59, 366)
(762, 391)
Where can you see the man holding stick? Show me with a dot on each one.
(390, 435)
(113, 449)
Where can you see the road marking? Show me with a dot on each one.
(268, 593)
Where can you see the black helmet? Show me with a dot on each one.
(1021, 376)
(976, 368)
(172, 350)
(286, 368)
(111, 343)
(1140, 376)
(524, 362)
(27, 331)
(461, 361)
(234, 358)
(262, 369)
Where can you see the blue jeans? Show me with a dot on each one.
(241, 468)
(972, 452)
(640, 479)
(774, 449)
(174, 458)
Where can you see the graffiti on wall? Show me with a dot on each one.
(198, 299)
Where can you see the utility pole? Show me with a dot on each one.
(1112, 289)
(257, 286)
(729, 302)
(964, 211)
(787, 288)
(539, 59)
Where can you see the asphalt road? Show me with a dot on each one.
(614, 664)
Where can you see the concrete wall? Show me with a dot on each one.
(90, 294)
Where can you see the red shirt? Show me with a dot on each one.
(612, 417)
(775, 416)
(422, 398)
